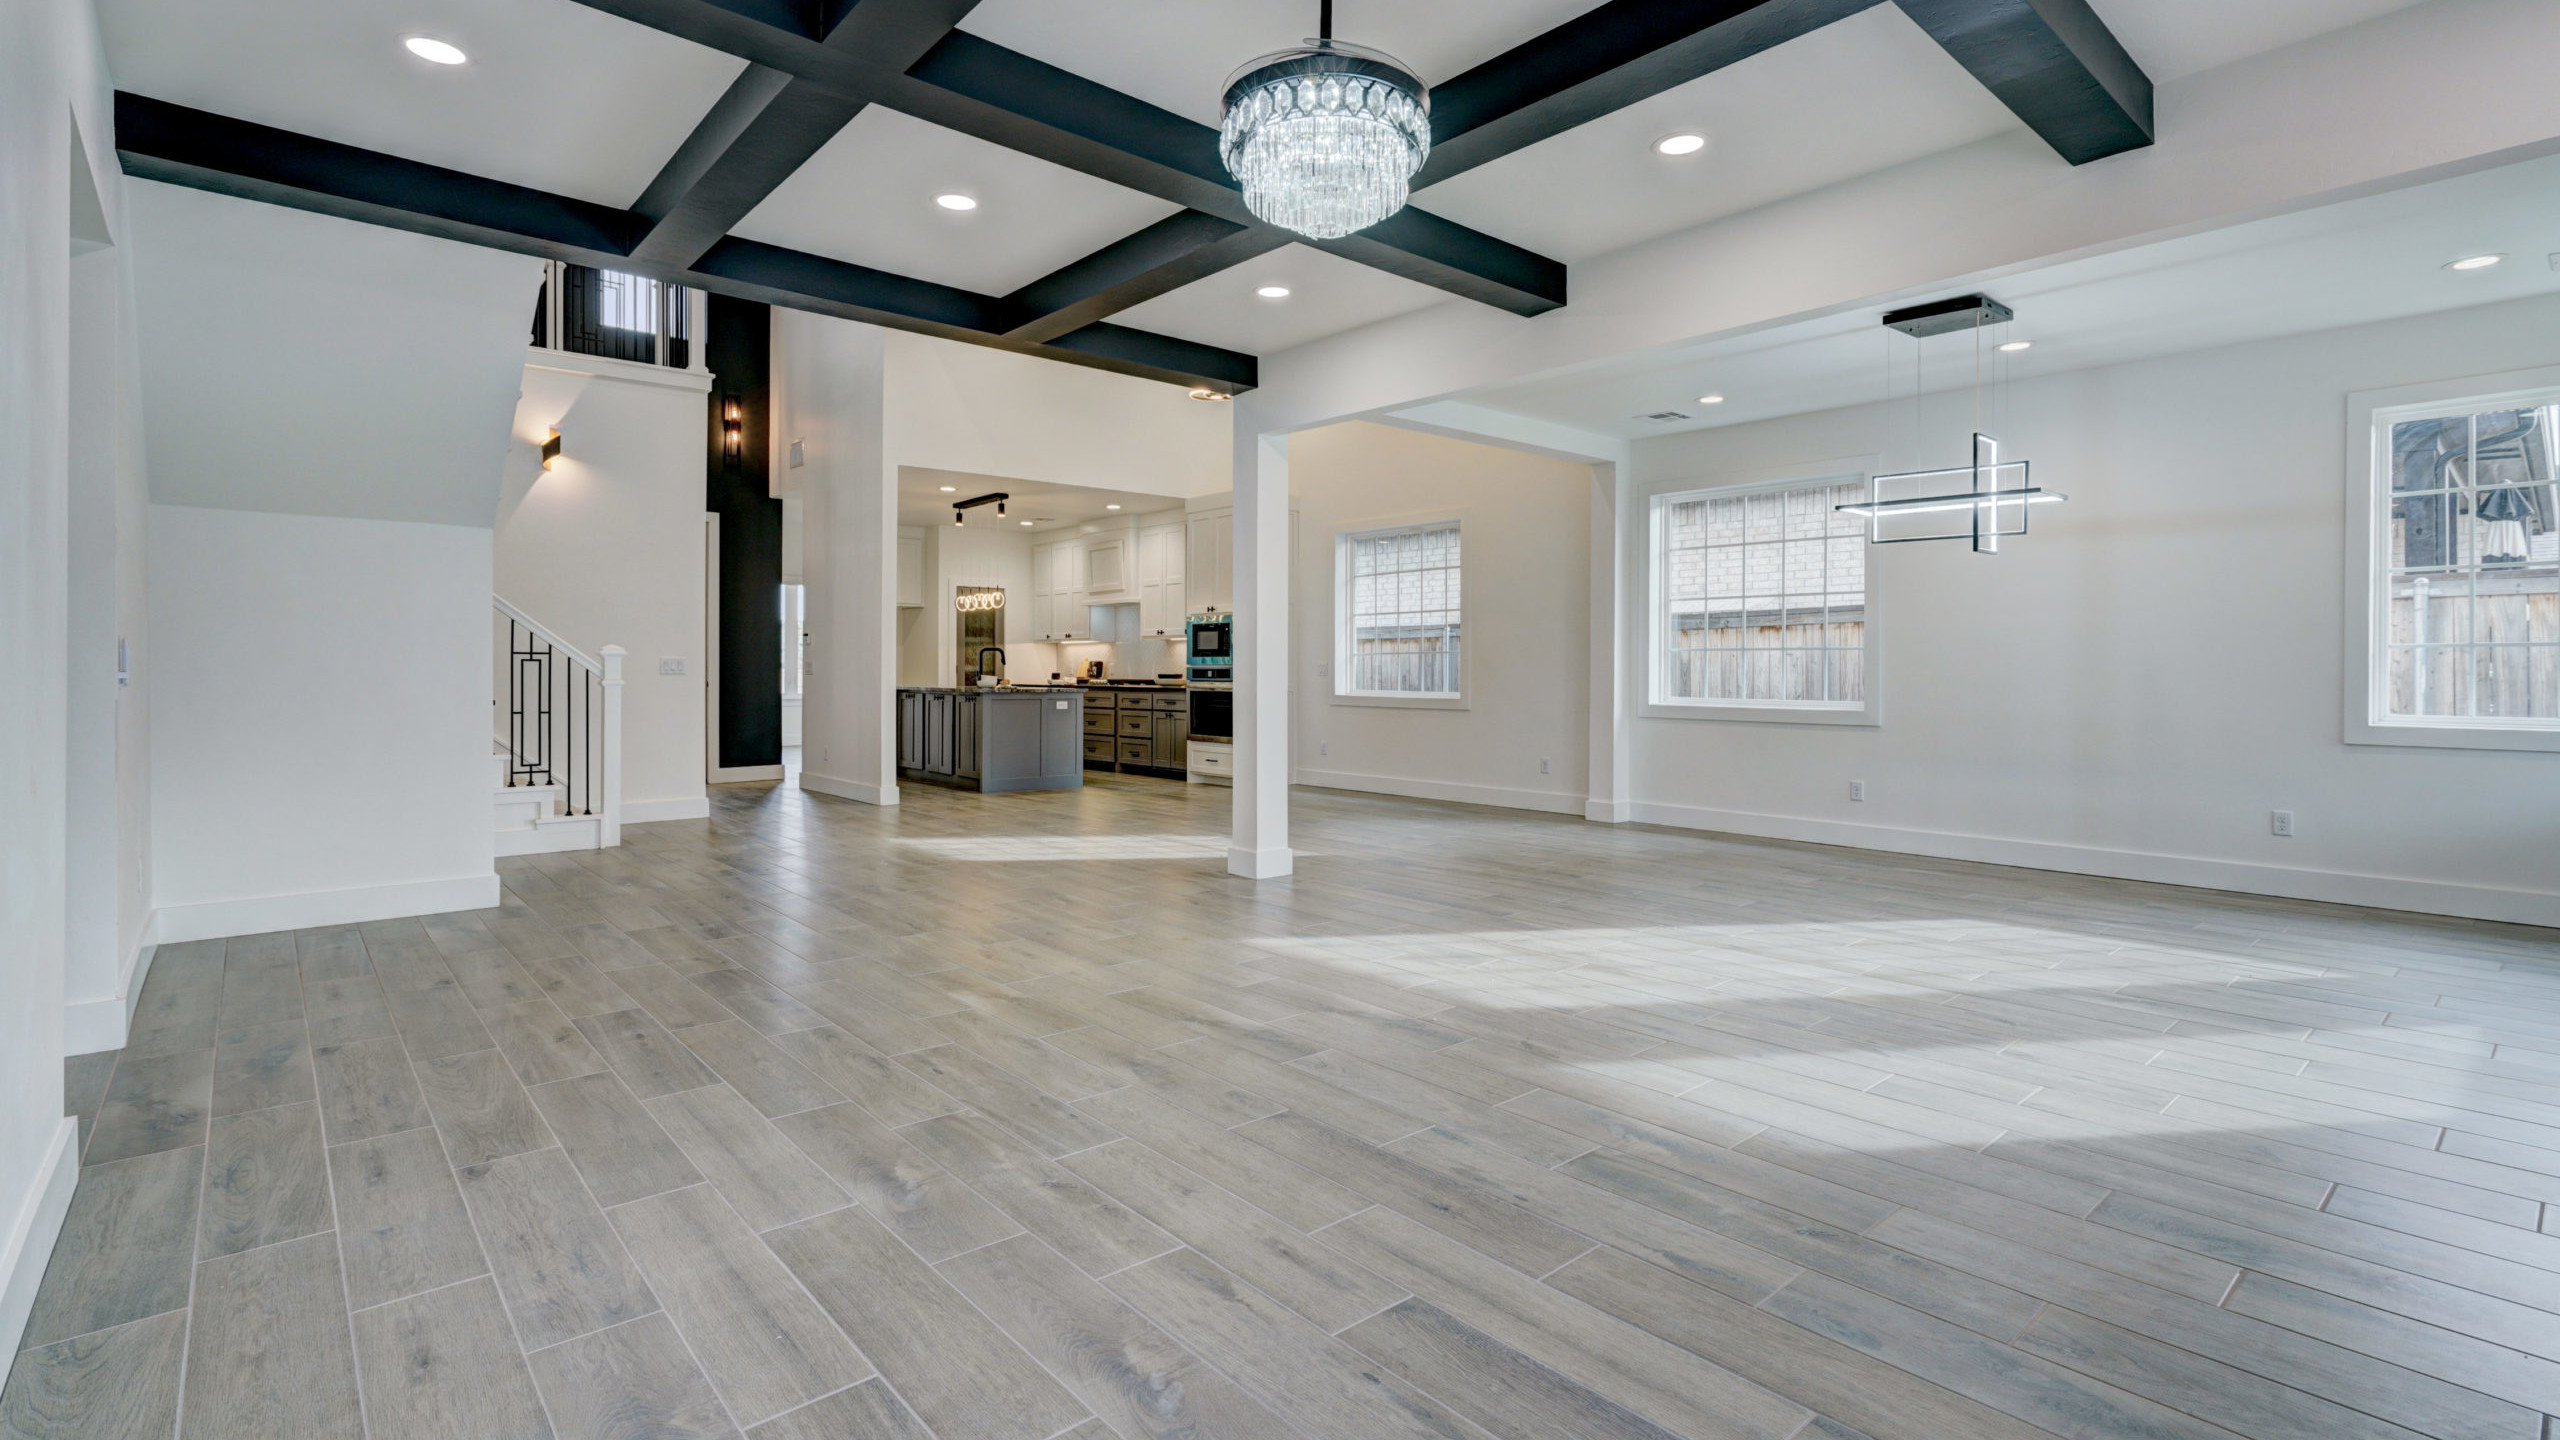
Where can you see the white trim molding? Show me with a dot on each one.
(843, 789)
(89, 1026)
(33, 1228)
(221, 919)
(2381, 892)
(646, 812)
(2367, 552)
(1553, 802)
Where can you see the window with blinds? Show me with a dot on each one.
(1761, 598)
(1402, 616)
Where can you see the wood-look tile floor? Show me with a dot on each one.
(1011, 1118)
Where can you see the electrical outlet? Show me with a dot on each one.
(1545, 766)
(1324, 747)
(1858, 790)
(2280, 822)
(671, 666)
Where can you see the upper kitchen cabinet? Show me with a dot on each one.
(1057, 592)
(1210, 567)
(910, 566)
(1109, 570)
(1161, 601)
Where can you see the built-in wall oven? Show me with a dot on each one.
(1213, 711)
(1213, 644)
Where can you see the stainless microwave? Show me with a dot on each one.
(1213, 642)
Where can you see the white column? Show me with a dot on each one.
(1259, 849)
(609, 829)
(1612, 703)
(832, 373)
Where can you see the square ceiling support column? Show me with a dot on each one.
(1259, 848)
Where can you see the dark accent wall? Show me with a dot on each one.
(740, 352)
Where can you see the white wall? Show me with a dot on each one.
(320, 720)
(990, 412)
(606, 548)
(2131, 690)
(1523, 522)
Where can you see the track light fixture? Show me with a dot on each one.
(960, 508)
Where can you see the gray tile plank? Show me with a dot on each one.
(769, 1010)
(766, 1348)
(436, 1019)
(126, 1246)
(1045, 1123)
(1090, 1228)
(868, 1411)
(268, 1356)
(1490, 1383)
(180, 1001)
(1277, 1183)
(345, 1008)
(366, 1089)
(401, 1225)
(1510, 1233)
(541, 1043)
(265, 1180)
(618, 1147)
(762, 1175)
(631, 1382)
(558, 1262)
(889, 1091)
(670, 999)
(649, 1059)
(445, 1364)
(1126, 1370)
(753, 1066)
(479, 1107)
(154, 1103)
(949, 1362)
(260, 1066)
(900, 1185)
(119, 1384)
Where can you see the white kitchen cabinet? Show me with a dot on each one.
(1067, 612)
(1210, 563)
(910, 568)
(1108, 567)
(1161, 610)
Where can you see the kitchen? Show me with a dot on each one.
(1049, 633)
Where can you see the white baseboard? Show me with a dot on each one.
(1552, 802)
(1261, 864)
(89, 1026)
(742, 774)
(220, 919)
(649, 812)
(844, 789)
(1609, 812)
(35, 1225)
(2382, 892)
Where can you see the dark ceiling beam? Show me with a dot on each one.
(2055, 63)
(770, 122)
(160, 141)
(1134, 269)
(1601, 62)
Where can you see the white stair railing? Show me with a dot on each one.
(558, 717)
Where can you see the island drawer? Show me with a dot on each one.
(1140, 723)
(1137, 752)
(1097, 748)
(1097, 722)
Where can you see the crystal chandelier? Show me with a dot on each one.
(1325, 137)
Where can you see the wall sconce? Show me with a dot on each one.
(733, 429)
(551, 450)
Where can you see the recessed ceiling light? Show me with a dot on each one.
(1026, 524)
(2475, 262)
(950, 489)
(2014, 346)
(435, 51)
(1684, 143)
(956, 201)
(1110, 507)
(1273, 292)
(1710, 399)
(1212, 396)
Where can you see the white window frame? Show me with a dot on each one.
(1654, 704)
(2370, 414)
(1343, 621)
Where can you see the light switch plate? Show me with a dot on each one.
(671, 666)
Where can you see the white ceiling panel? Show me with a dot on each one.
(868, 197)
(2174, 38)
(2375, 258)
(925, 497)
(556, 95)
(1327, 295)
(1177, 54)
(1869, 92)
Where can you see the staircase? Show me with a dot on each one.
(556, 759)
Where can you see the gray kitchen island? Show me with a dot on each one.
(997, 741)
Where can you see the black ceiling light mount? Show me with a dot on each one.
(960, 508)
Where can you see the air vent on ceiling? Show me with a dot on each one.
(1665, 417)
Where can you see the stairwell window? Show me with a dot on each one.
(626, 302)
(2460, 559)
(1401, 611)
(1760, 606)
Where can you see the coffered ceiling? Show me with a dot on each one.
(792, 150)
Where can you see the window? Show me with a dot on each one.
(626, 302)
(2464, 626)
(1402, 618)
(1761, 601)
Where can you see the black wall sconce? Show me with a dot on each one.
(551, 450)
(960, 508)
(733, 430)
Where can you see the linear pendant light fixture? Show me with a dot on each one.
(960, 508)
(1325, 137)
(1982, 501)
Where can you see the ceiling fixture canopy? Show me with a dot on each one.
(1325, 137)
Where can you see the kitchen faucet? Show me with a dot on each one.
(995, 650)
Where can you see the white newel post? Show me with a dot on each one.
(1259, 847)
(609, 828)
